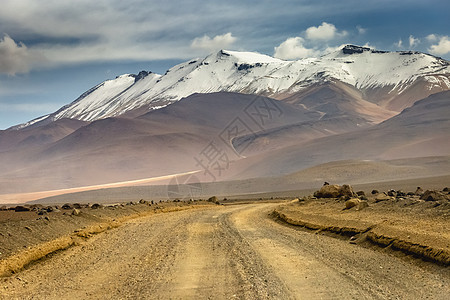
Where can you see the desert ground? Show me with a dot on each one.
(303, 248)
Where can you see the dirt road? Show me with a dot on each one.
(221, 253)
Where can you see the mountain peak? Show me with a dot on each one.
(247, 57)
(352, 49)
(362, 68)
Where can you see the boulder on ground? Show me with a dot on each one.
(401, 193)
(328, 191)
(213, 199)
(382, 197)
(362, 204)
(67, 206)
(433, 196)
(419, 191)
(392, 193)
(352, 203)
(347, 191)
(21, 208)
(96, 206)
(335, 191)
(75, 212)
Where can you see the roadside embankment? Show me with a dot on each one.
(415, 223)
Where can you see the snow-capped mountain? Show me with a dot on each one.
(380, 77)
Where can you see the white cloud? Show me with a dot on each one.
(399, 44)
(312, 43)
(432, 38)
(15, 58)
(216, 43)
(413, 41)
(324, 32)
(442, 48)
(361, 30)
(293, 48)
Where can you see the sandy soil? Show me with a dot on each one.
(267, 188)
(27, 197)
(222, 252)
(25, 231)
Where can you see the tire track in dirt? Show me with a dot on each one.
(222, 253)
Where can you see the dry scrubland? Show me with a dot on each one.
(415, 222)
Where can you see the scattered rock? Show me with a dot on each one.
(360, 193)
(42, 212)
(213, 199)
(21, 208)
(347, 191)
(382, 197)
(77, 205)
(401, 193)
(75, 212)
(362, 205)
(433, 196)
(3, 208)
(97, 206)
(352, 203)
(35, 207)
(374, 192)
(67, 206)
(419, 191)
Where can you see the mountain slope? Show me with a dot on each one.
(392, 80)
(419, 131)
(42, 135)
(161, 142)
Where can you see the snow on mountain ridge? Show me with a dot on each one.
(254, 73)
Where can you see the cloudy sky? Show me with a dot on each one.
(51, 51)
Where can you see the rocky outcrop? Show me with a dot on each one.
(335, 191)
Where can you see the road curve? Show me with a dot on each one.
(223, 253)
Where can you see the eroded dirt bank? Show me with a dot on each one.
(415, 223)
